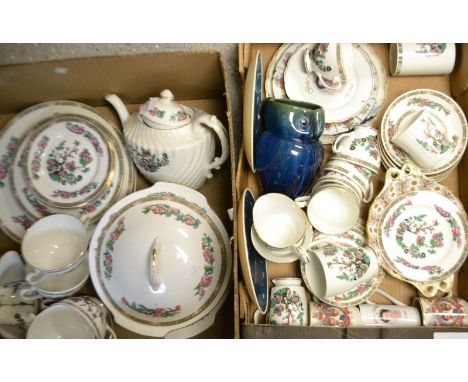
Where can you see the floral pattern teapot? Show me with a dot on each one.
(171, 142)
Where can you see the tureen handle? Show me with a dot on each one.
(155, 276)
(213, 123)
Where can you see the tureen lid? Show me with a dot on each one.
(164, 111)
(160, 259)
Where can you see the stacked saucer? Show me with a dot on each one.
(424, 127)
(60, 157)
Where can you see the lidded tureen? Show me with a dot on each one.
(171, 142)
(160, 260)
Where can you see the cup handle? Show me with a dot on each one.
(303, 254)
(338, 139)
(324, 84)
(35, 277)
(29, 295)
(370, 193)
(389, 297)
(307, 64)
(302, 201)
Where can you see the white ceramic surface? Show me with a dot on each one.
(389, 315)
(421, 59)
(193, 260)
(170, 142)
(288, 303)
(337, 269)
(11, 267)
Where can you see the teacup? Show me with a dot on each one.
(337, 269)
(360, 144)
(333, 210)
(95, 313)
(365, 192)
(321, 314)
(424, 137)
(288, 303)
(443, 311)
(280, 224)
(61, 321)
(332, 63)
(389, 315)
(360, 174)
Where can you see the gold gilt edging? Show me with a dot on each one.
(151, 198)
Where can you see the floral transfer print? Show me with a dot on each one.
(363, 171)
(433, 49)
(436, 141)
(391, 131)
(426, 102)
(73, 194)
(369, 144)
(77, 129)
(353, 265)
(155, 112)
(64, 162)
(23, 220)
(356, 292)
(431, 269)
(7, 159)
(349, 236)
(391, 220)
(445, 312)
(286, 308)
(148, 160)
(36, 204)
(328, 315)
(168, 211)
(89, 305)
(114, 236)
(318, 54)
(92, 207)
(208, 256)
(153, 312)
(456, 230)
(36, 162)
(178, 116)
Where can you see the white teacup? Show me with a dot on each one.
(425, 139)
(60, 321)
(332, 63)
(53, 246)
(337, 269)
(389, 315)
(280, 224)
(360, 144)
(321, 314)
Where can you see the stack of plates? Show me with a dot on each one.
(439, 105)
(358, 103)
(419, 229)
(60, 157)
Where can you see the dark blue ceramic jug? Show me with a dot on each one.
(289, 154)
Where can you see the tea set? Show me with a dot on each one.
(308, 209)
(67, 184)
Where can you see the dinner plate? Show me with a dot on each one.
(180, 264)
(372, 72)
(252, 99)
(14, 218)
(423, 235)
(254, 266)
(439, 105)
(68, 161)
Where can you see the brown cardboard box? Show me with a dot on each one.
(196, 78)
(456, 182)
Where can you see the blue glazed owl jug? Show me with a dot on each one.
(288, 153)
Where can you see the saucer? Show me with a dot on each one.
(68, 161)
(280, 256)
(252, 99)
(254, 267)
(441, 107)
(368, 110)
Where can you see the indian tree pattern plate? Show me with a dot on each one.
(14, 217)
(451, 139)
(371, 84)
(68, 161)
(160, 259)
(423, 236)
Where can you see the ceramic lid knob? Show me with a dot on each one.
(163, 112)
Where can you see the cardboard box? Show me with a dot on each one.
(457, 182)
(196, 79)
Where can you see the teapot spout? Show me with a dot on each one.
(119, 106)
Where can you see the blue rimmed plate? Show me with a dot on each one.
(254, 267)
(252, 100)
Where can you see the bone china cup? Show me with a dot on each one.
(280, 223)
(389, 315)
(321, 314)
(53, 246)
(445, 311)
(336, 269)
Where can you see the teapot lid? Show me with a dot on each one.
(164, 111)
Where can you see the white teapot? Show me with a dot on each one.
(171, 142)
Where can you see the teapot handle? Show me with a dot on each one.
(213, 123)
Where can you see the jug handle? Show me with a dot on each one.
(213, 123)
